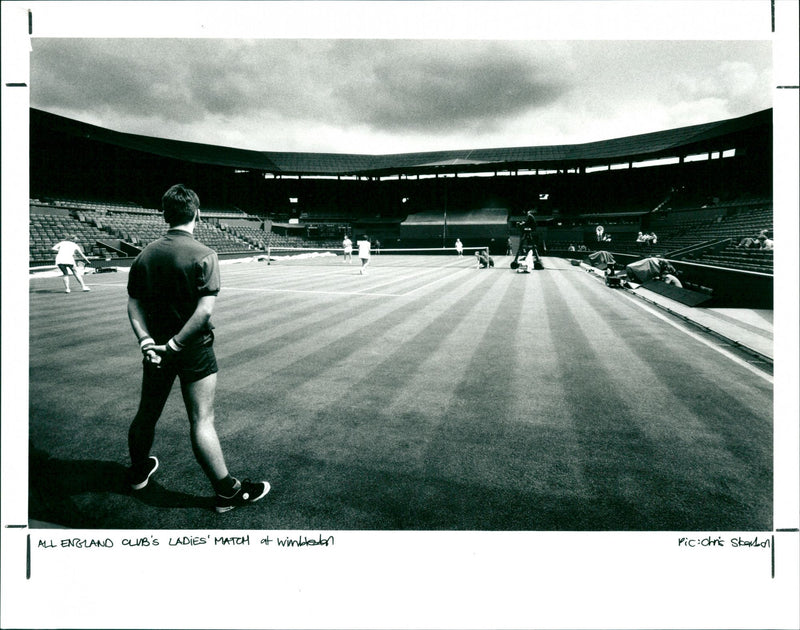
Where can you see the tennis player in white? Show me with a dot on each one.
(65, 259)
(364, 246)
(347, 244)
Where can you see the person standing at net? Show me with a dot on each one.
(364, 246)
(172, 288)
(65, 259)
(347, 245)
(459, 247)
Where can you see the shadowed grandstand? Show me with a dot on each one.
(700, 188)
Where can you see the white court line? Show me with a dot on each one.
(315, 292)
(369, 290)
(404, 277)
(268, 290)
(697, 337)
(107, 284)
(360, 292)
(289, 272)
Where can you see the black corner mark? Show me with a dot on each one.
(772, 9)
(772, 551)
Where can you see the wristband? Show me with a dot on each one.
(174, 345)
(145, 343)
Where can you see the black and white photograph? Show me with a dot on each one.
(400, 314)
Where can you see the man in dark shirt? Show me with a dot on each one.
(529, 240)
(172, 288)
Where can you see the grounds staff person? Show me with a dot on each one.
(172, 287)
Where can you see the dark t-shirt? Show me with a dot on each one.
(168, 278)
(529, 223)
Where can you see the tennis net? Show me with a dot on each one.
(395, 257)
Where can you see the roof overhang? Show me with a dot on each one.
(681, 142)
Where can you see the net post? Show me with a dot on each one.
(269, 249)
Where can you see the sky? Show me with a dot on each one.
(383, 96)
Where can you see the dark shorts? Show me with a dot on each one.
(65, 268)
(191, 364)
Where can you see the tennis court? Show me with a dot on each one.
(426, 395)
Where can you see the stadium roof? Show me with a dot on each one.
(714, 136)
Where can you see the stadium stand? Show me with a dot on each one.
(48, 229)
(699, 208)
(713, 240)
(223, 213)
(704, 235)
(220, 241)
(251, 234)
(707, 235)
(746, 260)
(99, 226)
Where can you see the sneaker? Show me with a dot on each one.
(67, 291)
(247, 492)
(86, 289)
(140, 474)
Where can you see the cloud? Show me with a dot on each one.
(386, 96)
(386, 85)
(441, 86)
(175, 80)
(96, 75)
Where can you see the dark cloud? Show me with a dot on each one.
(81, 75)
(175, 80)
(394, 85)
(440, 86)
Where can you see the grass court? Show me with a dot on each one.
(418, 397)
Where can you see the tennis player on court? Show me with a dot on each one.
(347, 244)
(172, 287)
(65, 259)
(364, 253)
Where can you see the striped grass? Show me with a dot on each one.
(414, 398)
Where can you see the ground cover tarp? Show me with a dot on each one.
(600, 260)
(646, 269)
